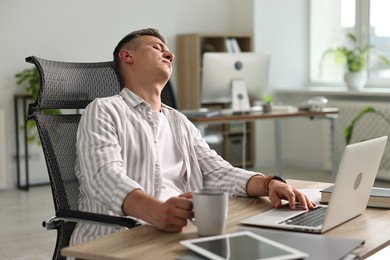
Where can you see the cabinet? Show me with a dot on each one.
(237, 142)
(189, 51)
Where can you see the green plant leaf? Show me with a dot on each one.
(352, 37)
(30, 79)
(348, 131)
(354, 58)
(383, 59)
(268, 98)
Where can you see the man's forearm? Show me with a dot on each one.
(140, 205)
(255, 186)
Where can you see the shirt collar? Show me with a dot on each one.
(131, 98)
(134, 100)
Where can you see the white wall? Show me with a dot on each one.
(3, 177)
(280, 29)
(243, 14)
(88, 30)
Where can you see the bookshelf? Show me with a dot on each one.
(189, 52)
(190, 48)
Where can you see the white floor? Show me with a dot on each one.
(22, 234)
(21, 214)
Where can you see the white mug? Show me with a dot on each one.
(210, 211)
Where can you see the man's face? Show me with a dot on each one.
(153, 56)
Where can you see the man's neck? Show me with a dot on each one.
(154, 102)
(152, 95)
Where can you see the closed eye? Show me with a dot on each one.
(157, 47)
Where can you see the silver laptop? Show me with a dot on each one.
(355, 178)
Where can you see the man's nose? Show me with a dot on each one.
(169, 55)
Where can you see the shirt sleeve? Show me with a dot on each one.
(102, 174)
(217, 172)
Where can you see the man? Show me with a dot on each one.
(140, 158)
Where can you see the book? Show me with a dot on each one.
(231, 45)
(234, 44)
(379, 198)
(228, 45)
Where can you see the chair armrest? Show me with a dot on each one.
(94, 218)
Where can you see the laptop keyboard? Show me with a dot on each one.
(311, 218)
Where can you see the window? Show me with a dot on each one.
(331, 20)
(379, 36)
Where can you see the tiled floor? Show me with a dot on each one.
(21, 214)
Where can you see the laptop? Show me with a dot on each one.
(355, 178)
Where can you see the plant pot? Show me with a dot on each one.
(267, 108)
(355, 80)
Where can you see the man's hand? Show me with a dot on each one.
(173, 214)
(169, 216)
(277, 191)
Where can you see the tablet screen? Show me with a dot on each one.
(241, 246)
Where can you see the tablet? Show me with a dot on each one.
(241, 246)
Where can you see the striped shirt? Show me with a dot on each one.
(117, 153)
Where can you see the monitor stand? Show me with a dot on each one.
(240, 99)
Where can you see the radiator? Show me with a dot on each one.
(369, 126)
(3, 173)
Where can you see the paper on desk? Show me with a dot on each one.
(313, 194)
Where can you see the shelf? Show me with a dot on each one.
(190, 49)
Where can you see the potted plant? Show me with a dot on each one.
(30, 79)
(267, 106)
(348, 131)
(354, 59)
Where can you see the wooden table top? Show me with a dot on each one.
(146, 242)
(271, 115)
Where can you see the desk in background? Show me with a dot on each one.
(326, 113)
(146, 242)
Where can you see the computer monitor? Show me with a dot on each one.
(221, 69)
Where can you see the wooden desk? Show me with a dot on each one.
(259, 116)
(326, 113)
(146, 242)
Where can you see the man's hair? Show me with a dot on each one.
(130, 41)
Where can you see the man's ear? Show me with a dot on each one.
(126, 56)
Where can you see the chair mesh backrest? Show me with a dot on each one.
(69, 85)
(73, 86)
(168, 95)
(58, 137)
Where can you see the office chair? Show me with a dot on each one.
(69, 87)
(168, 96)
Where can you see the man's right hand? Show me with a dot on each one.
(173, 214)
(169, 216)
